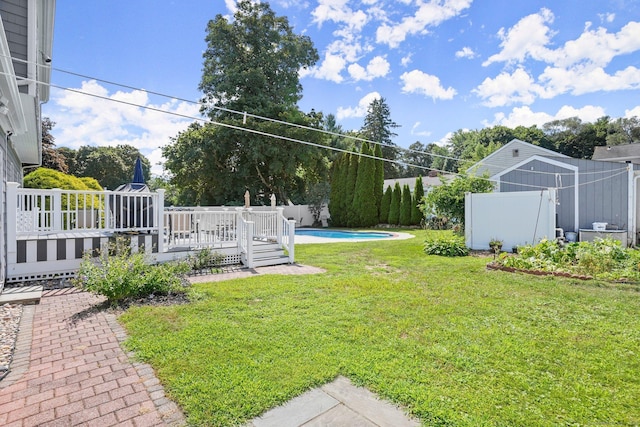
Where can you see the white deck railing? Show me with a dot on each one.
(68, 214)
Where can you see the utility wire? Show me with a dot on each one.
(245, 114)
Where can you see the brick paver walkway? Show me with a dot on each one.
(75, 372)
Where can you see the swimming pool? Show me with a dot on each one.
(342, 234)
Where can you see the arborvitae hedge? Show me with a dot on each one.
(394, 208)
(418, 194)
(405, 206)
(379, 186)
(385, 204)
(337, 195)
(364, 199)
(352, 176)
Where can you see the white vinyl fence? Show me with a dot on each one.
(516, 218)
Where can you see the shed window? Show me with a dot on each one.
(516, 152)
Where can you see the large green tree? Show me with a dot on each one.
(110, 166)
(251, 65)
(378, 127)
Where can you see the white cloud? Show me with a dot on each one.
(338, 12)
(330, 69)
(524, 116)
(528, 38)
(417, 81)
(607, 17)
(360, 110)
(579, 80)
(415, 131)
(634, 112)
(377, 67)
(406, 60)
(466, 52)
(82, 119)
(427, 14)
(508, 88)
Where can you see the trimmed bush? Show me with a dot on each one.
(418, 193)
(385, 204)
(450, 246)
(394, 207)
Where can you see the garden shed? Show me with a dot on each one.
(587, 191)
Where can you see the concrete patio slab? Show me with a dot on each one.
(337, 404)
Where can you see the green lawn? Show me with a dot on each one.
(454, 343)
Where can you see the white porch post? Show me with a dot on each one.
(160, 220)
(279, 219)
(250, 225)
(107, 211)
(56, 212)
(292, 238)
(12, 223)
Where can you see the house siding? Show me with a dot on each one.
(602, 191)
(14, 19)
(504, 157)
(538, 175)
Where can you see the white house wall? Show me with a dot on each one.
(517, 218)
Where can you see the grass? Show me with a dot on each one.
(454, 343)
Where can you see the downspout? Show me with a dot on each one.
(633, 210)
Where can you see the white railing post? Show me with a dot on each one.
(292, 237)
(56, 210)
(250, 225)
(279, 219)
(159, 219)
(239, 227)
(12, 222)
(107, 210)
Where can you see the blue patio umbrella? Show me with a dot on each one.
(138, 175)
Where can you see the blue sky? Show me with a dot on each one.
(441, 65)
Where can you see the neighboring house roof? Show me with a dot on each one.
(509, 155)
(427, 181)
(618, 153)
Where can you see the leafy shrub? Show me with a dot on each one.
(205, 259)
(602, 258)
(446, 246)
(118, 274)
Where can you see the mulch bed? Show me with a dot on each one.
(498, 266)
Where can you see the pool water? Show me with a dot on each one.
(339, 234)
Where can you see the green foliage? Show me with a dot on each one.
(379, 177)
(251, 64)
(405, 206)
(337, 195)
(364, 198)
(45, 178)
(205, 259)
(385, 205)
(602, 258)
(110, 166)
(119, 274)
(447, 199)
(418, 193)
(450, 245)
(394, 207)
(350, 190)
(378, 127)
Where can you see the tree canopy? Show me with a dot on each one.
(378, 127)
(250, 73)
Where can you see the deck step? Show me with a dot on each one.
(264, 262)
(21, 295)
